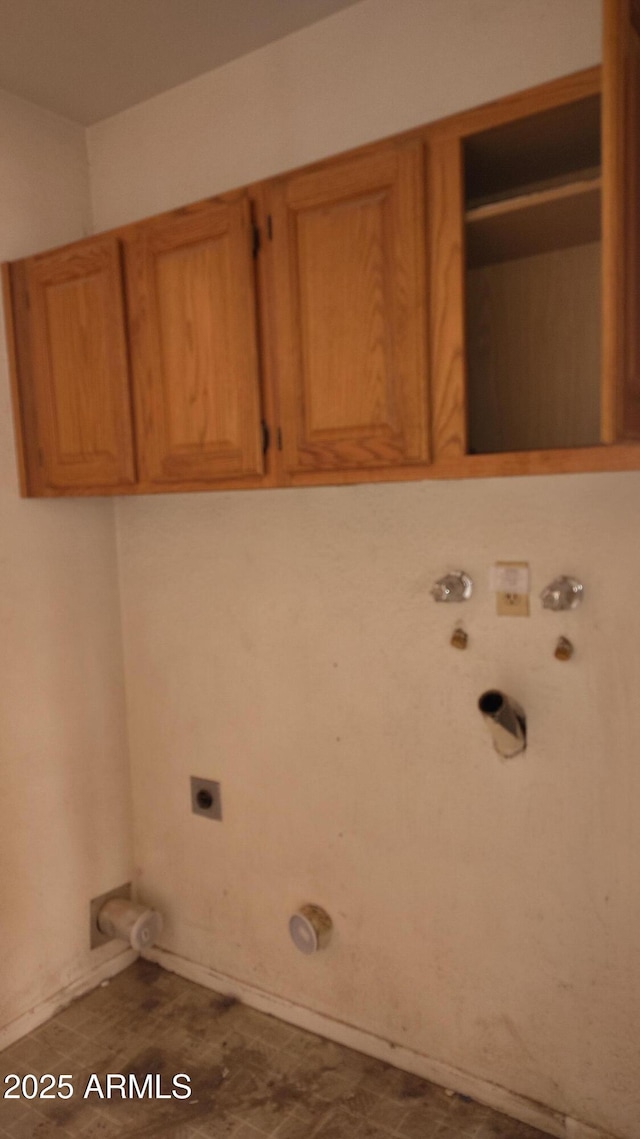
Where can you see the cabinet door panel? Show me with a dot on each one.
(194, 345)
(79, 366)
(349, 292)
(621, 219)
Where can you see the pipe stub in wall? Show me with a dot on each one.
(491, 702)
(506, 721)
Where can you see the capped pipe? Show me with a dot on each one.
(506, 721)
(140, 926)
(310, 928)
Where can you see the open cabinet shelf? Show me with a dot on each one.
(535, 221)
(532, 225)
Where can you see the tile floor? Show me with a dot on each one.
(251, 1076)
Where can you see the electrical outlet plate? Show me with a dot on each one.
(96, 937)
(512, 604)
(206, 798)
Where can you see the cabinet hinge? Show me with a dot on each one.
(255, 240)
(279, 438)
(266, 437)
(40, 457)
(269, 227)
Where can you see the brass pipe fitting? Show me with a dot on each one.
(564, 649)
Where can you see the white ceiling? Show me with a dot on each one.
(88, 59)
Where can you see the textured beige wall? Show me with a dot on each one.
(64, 811)
(285, 642)
(378, 67)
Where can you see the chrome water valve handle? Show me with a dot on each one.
(562, 593)
(456, 586)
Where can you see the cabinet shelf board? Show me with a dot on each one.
(558, 217)
(590, 174)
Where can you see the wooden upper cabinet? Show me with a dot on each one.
(70, 344)
(621, 218)
(194, 350)
(460, 300)
(348, 311)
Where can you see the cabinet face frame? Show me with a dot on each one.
(30, 473)
(447, 269)
(621, 214)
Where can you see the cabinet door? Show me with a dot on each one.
(69, 315)
(621, 219)
(191, 297)
(350, 313)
